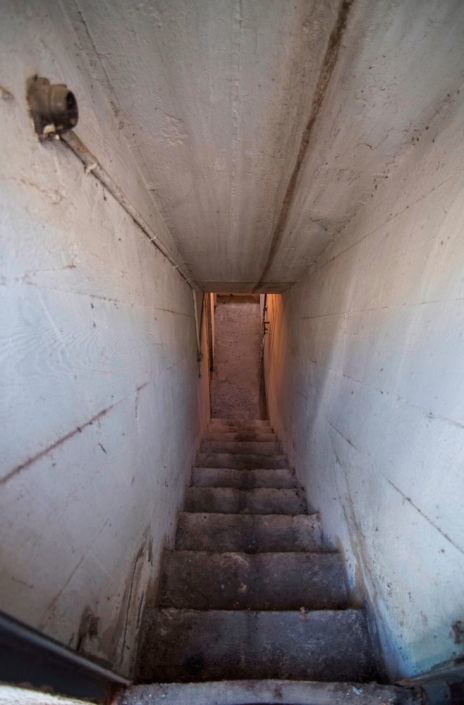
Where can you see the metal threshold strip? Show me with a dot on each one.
(28, 656)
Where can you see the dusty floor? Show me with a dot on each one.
(235, 384)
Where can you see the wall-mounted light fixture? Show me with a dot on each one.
(53, 107)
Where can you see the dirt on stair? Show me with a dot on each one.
(250, 591)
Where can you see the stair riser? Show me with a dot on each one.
(240, 430)
(190, 645)
(243, 479)
(241, 447)
(277, 581)
(248, 533)
(227, 436)
(240, 462)
(242, 423)
(227, 500)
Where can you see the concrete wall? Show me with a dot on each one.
(365, 384)
(100, 402)
(214, 96)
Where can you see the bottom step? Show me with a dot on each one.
(269, 692)
(193, 645)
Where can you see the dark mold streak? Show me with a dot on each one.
(325, 75)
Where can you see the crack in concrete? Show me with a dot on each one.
(428, 414)
(379, 227)
(379, 308)
(57, 443)
(408, 499)
(344, 437)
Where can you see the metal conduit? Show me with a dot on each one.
(93, 166)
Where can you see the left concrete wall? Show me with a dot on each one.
(101, 405)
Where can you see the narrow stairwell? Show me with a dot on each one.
(250, 591)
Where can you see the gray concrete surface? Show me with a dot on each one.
(243, 479)
(217, 434)
(201, 645)
(235, 390)
(240, 461)
(365, 387)
(266, 692)
(100, 405)
(243, 424)
(261, 500)
(263, 151)
(253, 447)
(243, 599)
(248, 533)
(234, 581)
(255, 95)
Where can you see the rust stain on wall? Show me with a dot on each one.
(57, 443)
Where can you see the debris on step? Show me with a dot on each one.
(251, 591)
(202, 580)
(180, 645)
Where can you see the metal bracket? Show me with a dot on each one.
(53, 107)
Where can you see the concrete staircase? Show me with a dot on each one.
(250, 591)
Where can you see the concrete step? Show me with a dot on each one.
(270, 692)
(241, 430)
(198, 645)
(235, 581)
(226, 435)
(248, 533)
(243, 479)
(242, 447)
(228, 500)
(246, 423)
(240, 461)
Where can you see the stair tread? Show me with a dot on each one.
(201, 645)
(251, 533)
(244, 479)
(233, 580)
(269, 692)
(229, 500)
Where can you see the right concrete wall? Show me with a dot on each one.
(365, 385)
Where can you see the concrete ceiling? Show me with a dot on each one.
(262, 126)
